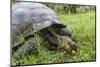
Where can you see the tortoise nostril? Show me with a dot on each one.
(74, 47)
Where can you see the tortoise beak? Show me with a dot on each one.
(74, 47)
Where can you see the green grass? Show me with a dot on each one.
(83, 29)
(82, 26)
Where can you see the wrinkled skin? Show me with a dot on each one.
(62, 38)
(43, 20)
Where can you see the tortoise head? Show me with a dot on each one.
(67, 43)
(62, 38)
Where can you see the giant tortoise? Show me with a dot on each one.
(40, 19)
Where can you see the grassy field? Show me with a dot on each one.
(82, 26)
